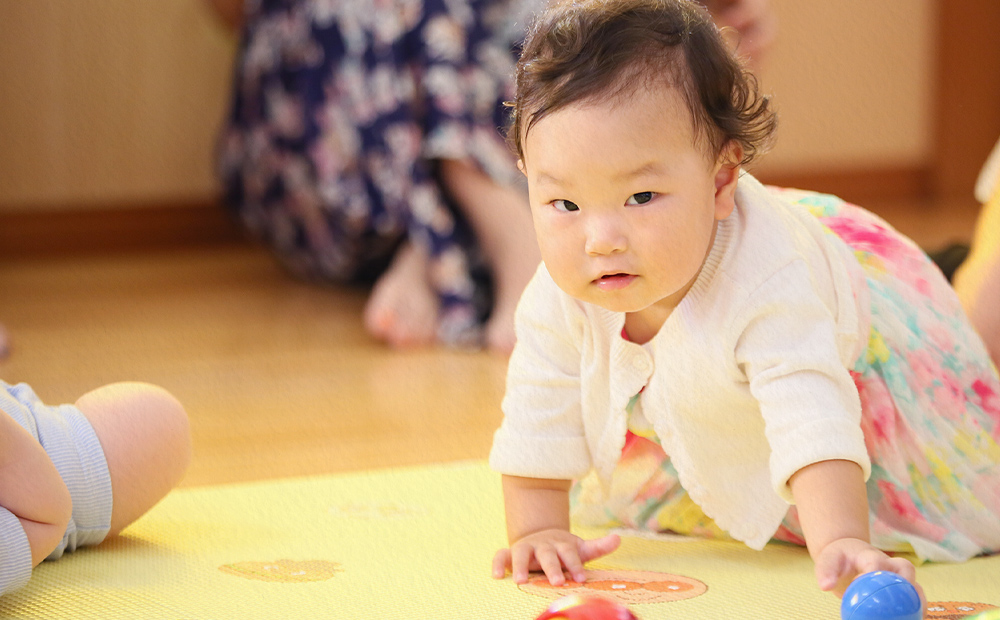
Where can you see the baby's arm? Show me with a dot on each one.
(833, 509)
(31, 489)
(537, 513)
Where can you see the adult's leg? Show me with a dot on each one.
(331, 191)
(501, 220)
(472, 221)
(146, 439)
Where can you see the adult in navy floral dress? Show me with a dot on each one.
(364, 144)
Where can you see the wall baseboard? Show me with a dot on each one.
(860, 186)
(38, 232)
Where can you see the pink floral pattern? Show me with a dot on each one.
(930, 413)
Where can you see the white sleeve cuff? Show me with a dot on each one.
(812, 443)
(558, 458)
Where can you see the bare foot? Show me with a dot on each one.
(501, 220)
(402, 309)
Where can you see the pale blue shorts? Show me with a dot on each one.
(71, 443)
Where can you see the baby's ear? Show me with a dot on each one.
(727, 175)
(520, 166)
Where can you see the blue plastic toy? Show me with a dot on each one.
(880, 596)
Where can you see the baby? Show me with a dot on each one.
(71, 475)
(721, 358)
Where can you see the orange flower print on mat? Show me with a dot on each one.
(625, 586)
(283, 571)
(950, 610)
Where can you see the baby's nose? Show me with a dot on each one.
(605, 236)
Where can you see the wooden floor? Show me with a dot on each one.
(278, 376)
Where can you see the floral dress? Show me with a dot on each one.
(340, 111)
(930, 400)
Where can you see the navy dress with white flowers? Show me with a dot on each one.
(341, 109)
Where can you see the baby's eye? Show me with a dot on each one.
(565, 205)
(639, 199)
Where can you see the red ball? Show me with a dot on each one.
(576, 607)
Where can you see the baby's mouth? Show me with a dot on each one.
(614, 281)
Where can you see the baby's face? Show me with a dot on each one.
(624, 201)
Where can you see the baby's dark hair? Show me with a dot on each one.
(602, 49)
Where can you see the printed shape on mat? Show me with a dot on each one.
(283, 571)
(950, 610)
(630, 587)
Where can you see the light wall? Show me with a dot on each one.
(109, 103)
(854, 85)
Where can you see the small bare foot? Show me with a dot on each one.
(403, 309)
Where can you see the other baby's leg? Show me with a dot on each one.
(35, 505)
(146, 439)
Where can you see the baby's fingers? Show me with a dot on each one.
(518, 560)
(875, 560)
(902, 567)
(905, 569)
(501, 562)
(571, 560)
(521, 556)
(834, 572)
(551, 564)
(598, 547)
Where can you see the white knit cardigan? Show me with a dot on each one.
(745, 383)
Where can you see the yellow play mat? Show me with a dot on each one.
(414, 544)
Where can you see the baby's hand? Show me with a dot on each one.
(842, 560)
(550, 551)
